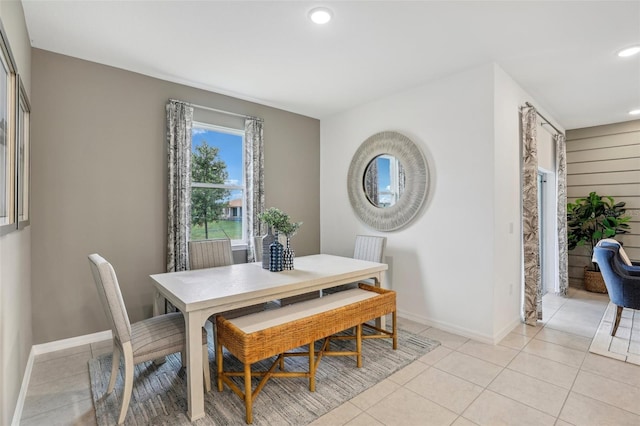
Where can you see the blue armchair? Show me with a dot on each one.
(622, 280)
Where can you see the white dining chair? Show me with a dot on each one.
(367, 247)
(141, 341)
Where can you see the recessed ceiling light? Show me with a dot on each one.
(320, 15)
(629, 51)
(634, 112)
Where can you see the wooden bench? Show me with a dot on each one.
(255, 337)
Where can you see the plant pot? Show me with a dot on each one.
(593, 281)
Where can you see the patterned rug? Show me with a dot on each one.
(625, 346)
(159, 392)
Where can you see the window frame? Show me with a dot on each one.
(8, 223)
(23, 142)
(241, 243)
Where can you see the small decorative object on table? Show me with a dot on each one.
(276, 255)
(289, 229)
(274, 219)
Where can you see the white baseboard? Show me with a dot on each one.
(72, 342)
(22, 396)
(450, 328)
(51, 347)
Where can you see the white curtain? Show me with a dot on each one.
(561, 179)
(179, 122)
(530, 232)
(254, 171)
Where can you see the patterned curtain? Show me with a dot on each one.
(254, 154)
(531, 244)
(561, 177)
(179, 121)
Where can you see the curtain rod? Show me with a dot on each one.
(544, 118)
(235, 114)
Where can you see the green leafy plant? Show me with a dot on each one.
(593, 218)
(275, 218)
(290, 228)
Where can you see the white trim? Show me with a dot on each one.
(444, 326)
(17, 413)
(71, 342)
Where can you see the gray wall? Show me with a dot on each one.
(605, 159)
(99, 184)
(15, 248)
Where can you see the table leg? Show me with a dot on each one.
(195, 397)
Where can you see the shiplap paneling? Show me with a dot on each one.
(605, 159)
(608, 141)
(626, 164)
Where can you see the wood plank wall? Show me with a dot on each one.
(605, 159)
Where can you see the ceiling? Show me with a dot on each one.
(563, 53)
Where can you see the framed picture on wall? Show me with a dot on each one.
(23, 150)
(7, 137)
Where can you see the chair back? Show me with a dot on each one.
(210, 253)
(369, 248)
(111, 297)
(621, 252)
(257, 249)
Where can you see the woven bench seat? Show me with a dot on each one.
(262, 335)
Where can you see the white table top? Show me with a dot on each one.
(238, 285)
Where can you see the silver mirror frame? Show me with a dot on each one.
(416, 181)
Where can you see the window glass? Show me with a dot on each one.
(217, 183)
(5, 147)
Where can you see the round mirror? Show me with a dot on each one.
(387, 181)
(384, 181)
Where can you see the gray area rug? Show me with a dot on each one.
(159, 392)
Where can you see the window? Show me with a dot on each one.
(7, 138)
(218, 189)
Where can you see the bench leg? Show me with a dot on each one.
(395, 330)
(312, 367)
(247, 392)
(359, 345)
(219, 366)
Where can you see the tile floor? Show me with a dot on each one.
(536, 376)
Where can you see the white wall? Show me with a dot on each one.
(15, 252)
(457, 266)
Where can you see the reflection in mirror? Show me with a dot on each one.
(384, 181)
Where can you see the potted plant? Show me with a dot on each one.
(589, 220)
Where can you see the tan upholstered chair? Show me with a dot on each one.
(142, 341)
(367, 247)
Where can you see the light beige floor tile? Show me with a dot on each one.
(404, 407)
(611, 368)
(364, 419)
(469, 368)
(555, 352)
(544, 369)
(445, 389)
(435, 355)
(610, 391)
(493, 409)
(499, 355)
(527, 330)
(78, 413)
(51, 395)
(584, 411)
(530, 391)
(410, 326)
(76, 350)
(374, 394)
(407, 373)
(58, 368)
(452, 341)
(461, 421)
(561, 338)
(563, 423)
(570, 323)
(338, 416)
(515, 340)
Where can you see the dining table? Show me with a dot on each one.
(201, 293)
